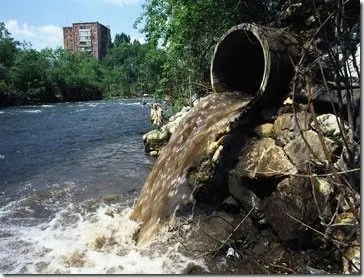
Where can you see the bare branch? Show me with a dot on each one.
(236, 228)
(317, 231)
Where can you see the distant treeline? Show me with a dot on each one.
(181, 36)
(28, 76)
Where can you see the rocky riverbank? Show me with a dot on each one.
(268, 197)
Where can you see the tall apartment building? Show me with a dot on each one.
(90, 37)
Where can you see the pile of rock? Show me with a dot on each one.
(282, 172)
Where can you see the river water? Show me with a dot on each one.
(69, 176)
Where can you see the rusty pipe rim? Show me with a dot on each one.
(246, 28)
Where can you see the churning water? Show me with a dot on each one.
(69, 174)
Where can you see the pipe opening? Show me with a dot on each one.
(239, 63)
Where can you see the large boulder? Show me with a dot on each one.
(265, 159)
(261, 165)
(154, 140)
(290, 205)
(299, 153)
(212, 231)
(285, 128)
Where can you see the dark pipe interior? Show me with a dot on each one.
(239, 62)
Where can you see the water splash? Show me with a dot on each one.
(166, 186)
(82, 241)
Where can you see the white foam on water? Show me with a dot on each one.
(31, 111)
(2, 156)
(47, 105)
(131, 104)
(98, 242)
(93, 104)
(32, 200)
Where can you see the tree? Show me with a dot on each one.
(4, 32)
(77, 76)
(8, 50)
(31, 76)
(189, 30)
(121, 38)
(132, 69)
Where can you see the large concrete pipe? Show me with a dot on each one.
(256, 60)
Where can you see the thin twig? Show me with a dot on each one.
(213, 238)
(252, 259)
(236, 228)
(335, 214)
(303, 175)
(285, 268)
(222, 218)
(314, 185)
(331, 165)
(313, 229)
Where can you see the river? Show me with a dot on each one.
(69, 175)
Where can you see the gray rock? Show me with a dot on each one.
(180, 114)
(323, 193)
(300, 154)
(329, 125)
(217, 154)
(285, 128)
(292, 197)
(155, 140)
(264, 158)
(351, 259)
(238, 189)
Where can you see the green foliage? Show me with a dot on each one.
(28, 70)
(121, 38)
(175, 61)
(29, 76)
(77, 76)
(4, 33)
(188, 31)
(132, 69)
